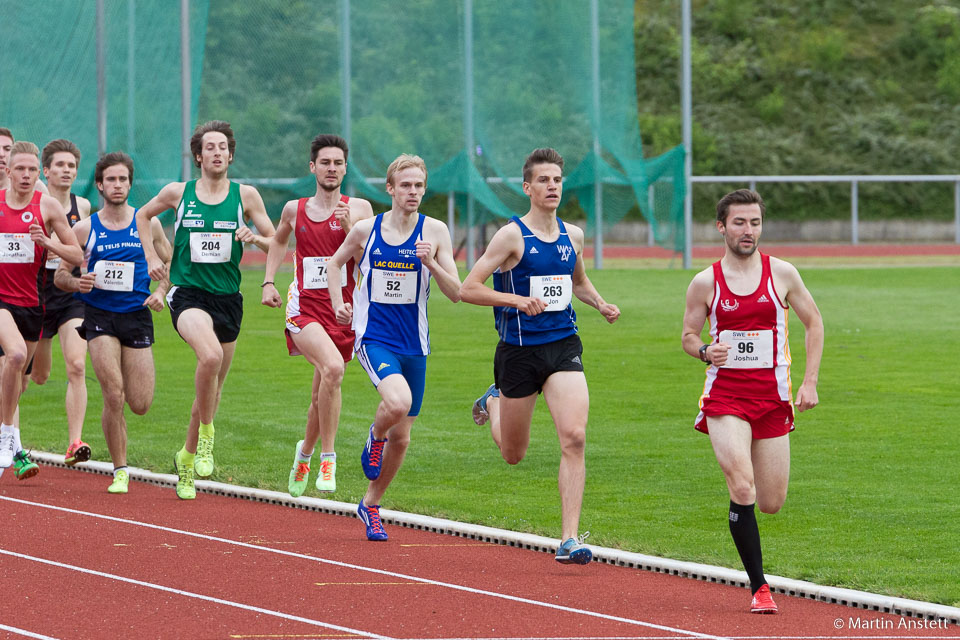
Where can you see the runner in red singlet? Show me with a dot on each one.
(319, 225)
(745, 406)
(25, 216)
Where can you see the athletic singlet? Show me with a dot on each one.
(545, 271)
(206, 252)
(390, 303)
(316, 244)
(758, 363)
(53, 296)
(20, 258)
(116, 257)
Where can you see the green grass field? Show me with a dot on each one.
(873, 502)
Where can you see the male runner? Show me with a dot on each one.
(320, 224)
(25, 216)
(117, 323)
(205, 300)
(745, 406)
(397, 253)
(537, 265)
(62, 312)
(6, 144)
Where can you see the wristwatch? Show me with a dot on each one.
(703, 354)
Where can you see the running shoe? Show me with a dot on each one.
(185, 487)
(762, 601)
(23, 466)
(203, 463)
(574, 551)
(299, 474)
(371, 517)
(480, 414)
(7, 448)
(121, 481)
(327, 478)
(78, 451)
(372, 456)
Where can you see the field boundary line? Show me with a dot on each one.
(707, 573)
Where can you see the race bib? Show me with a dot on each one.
(53, 263)
(16, 247)
(210, 247)
(315, 273)
(749, 349)
(556, 291)
(113, 276)
(393, 287)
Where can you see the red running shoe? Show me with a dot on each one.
(762, 601)
(78, 451)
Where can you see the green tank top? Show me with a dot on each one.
(206, 253)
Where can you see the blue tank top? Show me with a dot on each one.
(548, 266)
(122, 271)
(390, 302)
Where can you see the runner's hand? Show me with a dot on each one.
(806, 397)
(38, 236)
(85, 282)
(425, 253)
(609, 311)
(344, 313)
(717, 353)
(271, 297)
(531, 306)
(342, 214)
(244, 234)
(154, 301)
(156, 268)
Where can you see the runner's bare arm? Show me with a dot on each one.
(504, 249)
(436, 253)
(276, 252)
(61, 240)
(360, 209)
(352, 247)
(63, 278)
(168, 198)
(582, 286)
(255, 211)
(83, 207)
(796, 295)
(699, 295)
(165, 252)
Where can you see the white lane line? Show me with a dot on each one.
(302, 556)
(198, 596)
(24, 632)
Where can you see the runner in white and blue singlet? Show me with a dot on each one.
(397, 254)
(537, 268)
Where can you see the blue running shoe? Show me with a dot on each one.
(371, 517)
(372, 456)
(573, 551)
(480, 415)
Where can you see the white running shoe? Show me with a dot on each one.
(8, 447)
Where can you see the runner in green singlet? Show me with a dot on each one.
(205, 299)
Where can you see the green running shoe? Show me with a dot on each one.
(23, 466)
(185, 488)
(299, 474)
(120, 482)
(327, 478)
(203, 463)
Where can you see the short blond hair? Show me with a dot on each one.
(406, 161)
(22, 146)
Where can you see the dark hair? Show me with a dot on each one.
(196, 140)
(56, 146)
(107, 161)
(327, 140)
(6, 132)
(545, 155)
(740, 196)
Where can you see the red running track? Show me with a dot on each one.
(77, 562)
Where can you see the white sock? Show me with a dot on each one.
(328, 456)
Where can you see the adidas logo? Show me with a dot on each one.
(533, 250)
(577, 360)
(763, 298)
(376, 251)
(383, 365)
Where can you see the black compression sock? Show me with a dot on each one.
(746, 536)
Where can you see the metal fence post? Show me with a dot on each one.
(956, 212)
(854, 212)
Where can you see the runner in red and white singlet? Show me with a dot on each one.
(320, 225)
(20, 258)
(745, 406)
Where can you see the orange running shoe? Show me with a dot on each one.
(78, 451)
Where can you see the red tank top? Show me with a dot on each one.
(757, 326)
(20, 258)
(316, 243)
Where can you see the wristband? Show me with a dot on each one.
(266, 283)
(703, 354)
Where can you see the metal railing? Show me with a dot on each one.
(854, 190)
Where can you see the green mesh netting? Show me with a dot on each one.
(540, 73)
